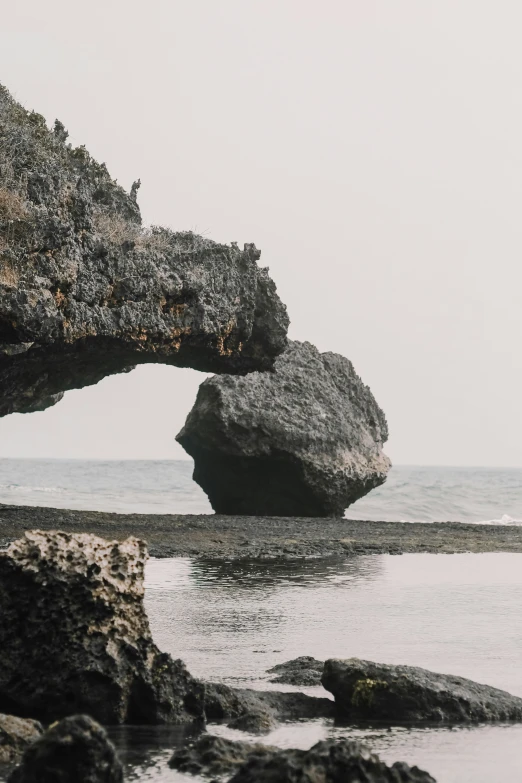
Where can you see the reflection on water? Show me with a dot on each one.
(230, 622)
(145, 750)
(458, 614)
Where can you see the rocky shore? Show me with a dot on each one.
(235, 537)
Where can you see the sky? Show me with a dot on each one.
(371, 149)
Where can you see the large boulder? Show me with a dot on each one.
(86, 291)
(75, 637)
(305, 440)
(330, 761)
(75, 750)
(16, 734)
(364, 690)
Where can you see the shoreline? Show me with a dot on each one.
(221, 537)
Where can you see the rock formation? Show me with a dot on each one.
(75, 749)
(85, 291)
(216, 756)
(75, 636)
(375, 691)
(330, 761)
(302, 671)
(16, 734)
(239, 705)
(303, 441)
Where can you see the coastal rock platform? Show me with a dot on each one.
(215, 536)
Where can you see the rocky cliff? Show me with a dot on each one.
(86, 291)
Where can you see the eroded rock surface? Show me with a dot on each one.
(303, 441)
(75, 750)
(216, 756)
(85, 291)
(75, 636)
(16, 734)
(303, 671)
(330, 761)
(364, 690)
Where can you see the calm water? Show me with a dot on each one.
(230, 622)
(458, 614)
(423, 494)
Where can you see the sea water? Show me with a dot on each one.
(457, 614)
(411, 494)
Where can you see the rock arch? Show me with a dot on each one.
(86, 291)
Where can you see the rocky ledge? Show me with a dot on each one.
(329, 761)
(86, 291)
(302, 671)
(75, 636)
(305, 440)
(364, 690)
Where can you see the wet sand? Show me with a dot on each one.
(224, 537)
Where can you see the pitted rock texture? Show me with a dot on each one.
(85, 291)
(303, 671)
(330, 761)
(303, 441)
(75, 750)
(75, 636)
(16, 734)
(364, 690)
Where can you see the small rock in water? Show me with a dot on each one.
(257, 722)
(330, 761)
(225, 703)
(75, 636)
(364, 690)
(304, 671)
(216, 756)
(75, 750)
(16, 734)
(305, 440)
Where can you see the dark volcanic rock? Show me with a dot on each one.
(75, 750)
(216, 756)
(303, 671)
(75, 636)
(342, 761)
(15, 735)
(255, 722)
(225, 703)
(303, 441)
(85, 291)
(374, 691)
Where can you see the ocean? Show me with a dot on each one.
(411, 494)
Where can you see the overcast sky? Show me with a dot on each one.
(371, 148)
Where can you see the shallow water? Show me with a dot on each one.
(412, 494)
(230, 622)
(457, 614)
